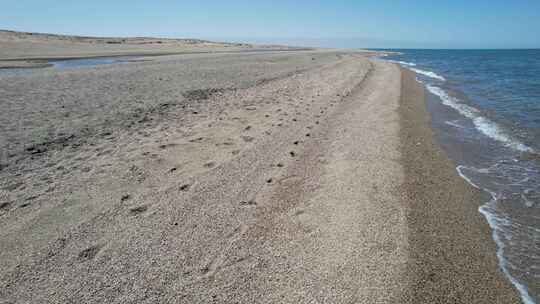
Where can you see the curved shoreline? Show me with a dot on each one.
(452, 255)
(309, 176)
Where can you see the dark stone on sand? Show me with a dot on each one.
(125, 197)
(172, 169)
(292, 153)
(296, 142)
(5, 205)
(185, 187)
(270, 180)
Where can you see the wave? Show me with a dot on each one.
(410, 64)
(483, 124)
(454, 124)
(429, 74)
(497, 224)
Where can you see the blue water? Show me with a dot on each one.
(485, 107)
(66, 64)
(88, 62)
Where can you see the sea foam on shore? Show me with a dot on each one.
(490, 159)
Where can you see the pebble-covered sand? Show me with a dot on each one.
(264, 177)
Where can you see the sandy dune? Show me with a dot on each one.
(17, 47)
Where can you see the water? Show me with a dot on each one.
(64, 64)
(485, 107)
(88, 62)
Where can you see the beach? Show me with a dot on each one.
(306, 176)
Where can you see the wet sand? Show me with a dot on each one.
(234, 178)
(452, 254)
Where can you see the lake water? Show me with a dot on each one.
(63, 64)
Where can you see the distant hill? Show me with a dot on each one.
(32, 46)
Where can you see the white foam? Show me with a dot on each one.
(459, 168)
(411, 64)
(493, 221)
(483, 124)
(429, 74)
(454, 124)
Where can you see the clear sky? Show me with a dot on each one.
(345, 23)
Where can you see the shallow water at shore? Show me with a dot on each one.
(88, 62)
(64, 64)
(484, 107)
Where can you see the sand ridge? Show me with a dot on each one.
(179, 198)
(21, 49)
(234, 178)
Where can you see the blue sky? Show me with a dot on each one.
(369, 23)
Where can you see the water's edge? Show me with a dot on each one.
(490, 130)
(451, 253)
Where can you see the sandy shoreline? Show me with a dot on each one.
(241, 177)
(452, 253)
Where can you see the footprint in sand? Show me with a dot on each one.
(248, 138)
(198, 139)
(138, 210)
(210, 164)
(5, 205)
(299, 212)
(89, 253)
(248, 203)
